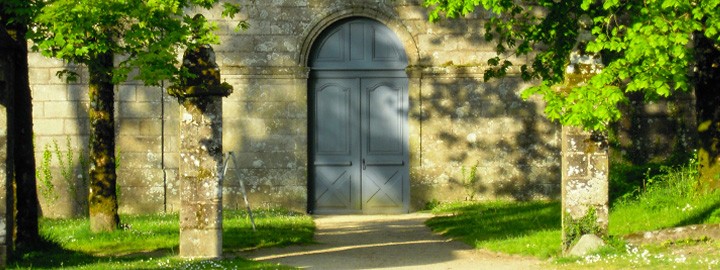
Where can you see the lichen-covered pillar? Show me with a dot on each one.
(200, 187)
(585, 166)
(201, 154)
(584, 184)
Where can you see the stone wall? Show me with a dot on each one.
(456, 120)
(657, 131)
(466, 122)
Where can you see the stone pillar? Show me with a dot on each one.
(201, 154)
(584, 157)
(200, 187)
(584, 184)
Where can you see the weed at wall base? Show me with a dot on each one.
(576, 228)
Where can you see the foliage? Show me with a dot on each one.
(148, 34)
(469, 180)
(151, 241)
(574, 229)
(644, 44)
(668, 199)
(68, 166)
(44, 176)
(19, 11)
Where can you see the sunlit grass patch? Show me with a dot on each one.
(151, 242)
(525, 228)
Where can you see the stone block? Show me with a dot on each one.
(49, 92)
(77, 92)
(127, 127)
(38, 75)
(150, 127)
(128, 177)
(61, 109)
(577, 165)
(252, 178)
(234, 43)
(139, 109)
(141, 200)
(76, 126)
(275, 160)
(201, 243)
(139, 144)
(126, 93)
(149, 93)
(139, 160)
(48, 127)
(36, 59)
(587, 244)
(408, 12)
(266, 44)
(38, 109)
(281, 59)
(200, 213)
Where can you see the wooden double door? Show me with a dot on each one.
(360, 157)
(358, 97)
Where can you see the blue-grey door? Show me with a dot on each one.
(359, 99)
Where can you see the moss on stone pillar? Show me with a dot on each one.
(201, 155)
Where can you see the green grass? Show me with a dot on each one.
(666, 200)
(526, 228)
(670, 199)
(151, 242)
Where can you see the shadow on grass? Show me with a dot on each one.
(51, 255)
(151, 242)
(479, 222)
(701, 216)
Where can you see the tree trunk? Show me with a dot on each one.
(26, 191)
(102, 197)
(707, 93)
(20, 129)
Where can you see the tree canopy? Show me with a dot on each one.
(148, 34)
(646, 46)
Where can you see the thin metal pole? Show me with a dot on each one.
(242, 185)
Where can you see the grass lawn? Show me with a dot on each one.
(526, 228)
(151, 242)
(533, 228)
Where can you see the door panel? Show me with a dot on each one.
(383, 118)
(385, 175)
(336, 162)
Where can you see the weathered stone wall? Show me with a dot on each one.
(456, 120)
(60, 114)
(466, 122)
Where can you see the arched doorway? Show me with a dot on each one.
(358, 93)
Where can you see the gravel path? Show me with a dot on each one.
(385, 242)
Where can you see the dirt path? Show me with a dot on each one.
(386, 242)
